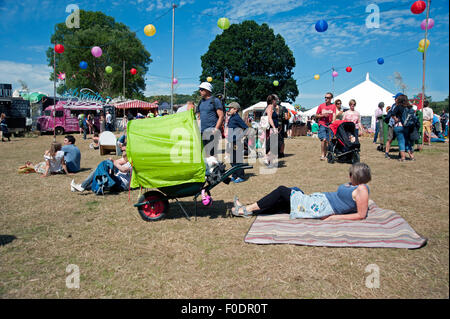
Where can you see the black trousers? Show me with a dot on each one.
(237, 158)
(279, 200)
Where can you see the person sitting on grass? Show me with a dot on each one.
(95, 142)
(54, 162)
(349, 202)
(121, 175)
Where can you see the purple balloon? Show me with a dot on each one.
(423, 25)
(96, 51)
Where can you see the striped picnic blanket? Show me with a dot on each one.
(382, 228)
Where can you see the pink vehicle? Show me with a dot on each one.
(65, 118)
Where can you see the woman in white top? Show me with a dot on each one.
(54, 161)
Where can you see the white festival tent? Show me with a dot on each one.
(260, 106)
(367, 96)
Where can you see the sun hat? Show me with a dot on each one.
(234, 105)
(206, 86)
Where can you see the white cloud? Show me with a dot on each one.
(250, 8)
(36, 76)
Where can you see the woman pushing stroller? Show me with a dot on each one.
(350, 201)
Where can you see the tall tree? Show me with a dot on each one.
(257, 56)
(118, 44)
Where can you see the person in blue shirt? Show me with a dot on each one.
(72, 154)
(211, 118)
(349, 202)
(236, 128)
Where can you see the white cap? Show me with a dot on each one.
(206, 86)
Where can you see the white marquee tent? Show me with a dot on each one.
(260, 106)
(367, 96)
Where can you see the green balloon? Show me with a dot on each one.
(420, 49)
(223, 23)
(275, 83)
(108, 69)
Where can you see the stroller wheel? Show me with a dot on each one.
(355, 157)
(157, 207)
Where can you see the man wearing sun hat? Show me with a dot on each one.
(212, 115)
(236, 128)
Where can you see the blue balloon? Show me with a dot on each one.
(236, 78)
(83, 65)
(321, 26)
(380, 61)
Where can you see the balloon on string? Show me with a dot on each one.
(348, 69)
(334, 74)
(423, 25)
(175, 80)
(316, 76)
(59, 48)
(149, 30)
(321, 26)
(421, 49)
(108, 69)
(236, 78)
(380, 61)
(83, 65)
(223, 23)
(276, 83)
(209, 79)
(418, 7)
(422, 43)
(133, 71)
(97, 52)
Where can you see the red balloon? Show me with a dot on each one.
(418, 7)
(59, 48)
(133, 71)
(348, 69)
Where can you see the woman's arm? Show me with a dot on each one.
(269, 115)
(361, 195)
(121, 167)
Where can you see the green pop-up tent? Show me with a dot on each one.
(165, 151)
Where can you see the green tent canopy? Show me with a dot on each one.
(32, 97)
(165, 151)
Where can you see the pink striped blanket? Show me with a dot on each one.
(382, 228)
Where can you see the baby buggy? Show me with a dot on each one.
(344, 145)
(166, 156)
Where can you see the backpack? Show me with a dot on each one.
(409, 118)
(103, 180)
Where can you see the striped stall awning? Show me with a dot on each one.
(136, 104)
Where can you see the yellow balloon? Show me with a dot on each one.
(149, 30)
(422, 43)
(317, 76)
(209, 79)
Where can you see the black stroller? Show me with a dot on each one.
(344, 146)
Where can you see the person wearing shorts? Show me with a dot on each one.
(326, 114)
(427, 120)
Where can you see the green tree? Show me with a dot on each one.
(118, 44)
(255, 54)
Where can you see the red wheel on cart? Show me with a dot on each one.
(153, 206)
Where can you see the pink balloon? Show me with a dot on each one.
(423, 25)
(334, 74)
(175, 81)
(96, 51)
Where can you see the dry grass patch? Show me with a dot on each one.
(121, 256)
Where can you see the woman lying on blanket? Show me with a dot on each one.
(350, 201)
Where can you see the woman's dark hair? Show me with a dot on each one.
(271, 98)
(403, 100)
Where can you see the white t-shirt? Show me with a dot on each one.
(55, 162)
(108, 118)
(427, 114)
(125, 178)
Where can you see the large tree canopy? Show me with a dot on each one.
(255, 54)
(118, 44)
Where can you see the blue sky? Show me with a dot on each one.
(26, 26)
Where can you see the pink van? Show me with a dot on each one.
(65, 118)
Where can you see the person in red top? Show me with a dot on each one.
(326, 113)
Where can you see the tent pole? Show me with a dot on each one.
(54, 89)
(173, 37)
(424, 58)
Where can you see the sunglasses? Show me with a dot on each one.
(201, 89)
(327, 97)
